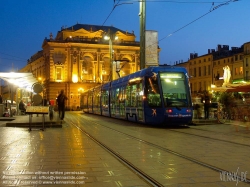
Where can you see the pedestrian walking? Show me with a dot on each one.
(206, 101)
(61, 101)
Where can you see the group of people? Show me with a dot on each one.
(205, 99)
(60, 101)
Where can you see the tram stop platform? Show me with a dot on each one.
(36, 121)
(204, 121)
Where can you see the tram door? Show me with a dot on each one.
(134, 99)
(90, 101)
(114, 102)
(84, 102)
(117, 103)
(122, 98)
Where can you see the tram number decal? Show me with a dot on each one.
(154, 112)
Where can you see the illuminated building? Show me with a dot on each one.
(78, 58)
(207, 70)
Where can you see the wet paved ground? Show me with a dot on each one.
(65, 157)
(58, 157)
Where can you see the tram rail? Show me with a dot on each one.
(217, 139)
(138, 171)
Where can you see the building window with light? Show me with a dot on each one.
(241, 70)
(236, 71)
(87, 69)
(58, 73)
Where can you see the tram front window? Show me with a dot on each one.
(174, 89)
(153, 94)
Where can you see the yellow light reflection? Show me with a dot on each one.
(74, 78)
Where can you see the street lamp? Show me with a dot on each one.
(80, 90)
(111, 37)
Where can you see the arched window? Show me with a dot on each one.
(87, 69)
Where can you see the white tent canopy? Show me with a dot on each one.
(21, 80)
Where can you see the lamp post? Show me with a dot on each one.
(111, 37)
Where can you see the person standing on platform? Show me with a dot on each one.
(22, 107)
(1, 99)
(61, 100)
(206, 101)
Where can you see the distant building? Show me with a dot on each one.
(207, 70)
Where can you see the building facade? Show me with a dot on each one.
(207, 71)
(246, 61)
(81, 57)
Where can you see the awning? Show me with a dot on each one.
(233, 88)
(222, 89)
(21, 80)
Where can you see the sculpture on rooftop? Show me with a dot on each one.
(226, 75)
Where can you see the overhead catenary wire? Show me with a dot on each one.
(114, 6)
(120, 2)
(210, 11)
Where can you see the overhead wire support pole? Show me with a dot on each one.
(142, 15)
(111, 38)
(111, 56)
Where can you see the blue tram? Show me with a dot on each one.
(155, 95)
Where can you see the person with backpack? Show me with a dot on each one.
(61, 101)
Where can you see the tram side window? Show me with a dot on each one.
(90, 99)
(84, 101)
(128, 96)
(134, 94)
(122, 94)
(114, 97)
(139, 95)
(96, 98)
(153, 95)
(105, 98)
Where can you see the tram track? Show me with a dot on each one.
(217, 139)
(151, 181)
(204, 130)
(137, 170)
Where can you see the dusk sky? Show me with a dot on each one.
(195, 25)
